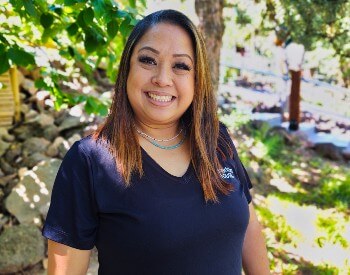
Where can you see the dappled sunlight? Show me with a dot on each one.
(282, 185)
(319, 243)
(259, 150)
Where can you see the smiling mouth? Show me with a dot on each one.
(160, 98)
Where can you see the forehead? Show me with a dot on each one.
(166, 37)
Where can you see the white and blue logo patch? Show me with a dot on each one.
(226, 173)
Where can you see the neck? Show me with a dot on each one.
(159, 131)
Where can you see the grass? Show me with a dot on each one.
(301, 199)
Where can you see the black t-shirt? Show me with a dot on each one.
(161, 224)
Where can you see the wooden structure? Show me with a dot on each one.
(9, 98)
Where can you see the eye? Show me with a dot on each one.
(182, 66)
(147, 60)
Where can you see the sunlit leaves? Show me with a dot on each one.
(20, 57)
(46, 20)
(4, 63)
(112, 28)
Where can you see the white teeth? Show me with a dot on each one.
(161, 98)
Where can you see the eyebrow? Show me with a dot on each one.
(157, 52)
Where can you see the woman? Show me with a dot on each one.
(158, 188)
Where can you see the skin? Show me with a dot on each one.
(162, 63)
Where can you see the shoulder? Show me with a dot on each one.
(225, 144)
(91, 148)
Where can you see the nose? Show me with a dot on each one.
(162, 77)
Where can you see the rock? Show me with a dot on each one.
(328, 150)
(3, 220)
(13, 152)
(34, 159)
(70, 122)
(51, 132)
(3, 147)
(346, 153)
(34, 145)
(24, 108)
(20, 247)
(63, 149)
(5, 180)
(31, 116)
(74, 138)
(52, 150)
(29, 85)
(5, 136)
(26, 131)
(6, 167)
(30, 198)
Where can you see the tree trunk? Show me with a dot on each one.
(211, 24)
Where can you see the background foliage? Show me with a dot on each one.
(86, 34)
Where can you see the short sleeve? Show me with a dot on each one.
(72, 218)
(241, 171)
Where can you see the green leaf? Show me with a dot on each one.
(41, 84)
(112, 28)
(69, 2)
(122, 14)
(133, 22)
(71, 51)
(2, 48)
(80, 20)
(88, 108)
(72, 29)
(132, 3)
(29, 7)
(90, 43)
(99, 8)
(3, 39)
(21, 57)
(102, 110)
(125, 28)
(56, 9)
(89, 16)
(4, 63)
(46, 20)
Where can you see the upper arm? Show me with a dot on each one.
(67, 260)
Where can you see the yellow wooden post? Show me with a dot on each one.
(9, 98)
(15, 91)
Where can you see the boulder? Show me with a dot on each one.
(73, 139)
(328, 150)
(6, 179)
(29, 85)
(20, 247)
(3, 147)
(27, 131)
(13, 152)
(5, 136)
(54, 149)
(34, 159)
(30, 198)
(6, 167)
(51, 132)
(34, 145)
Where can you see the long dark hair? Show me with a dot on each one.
(201, 116)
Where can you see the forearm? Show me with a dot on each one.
(255, 259)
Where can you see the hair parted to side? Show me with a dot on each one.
(201, 117)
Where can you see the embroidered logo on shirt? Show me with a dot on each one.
(226, 173)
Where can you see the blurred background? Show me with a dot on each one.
(58, 63)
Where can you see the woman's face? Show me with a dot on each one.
(160, 83)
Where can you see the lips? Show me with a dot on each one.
(159, 97)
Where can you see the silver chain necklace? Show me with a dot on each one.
(159, 140)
